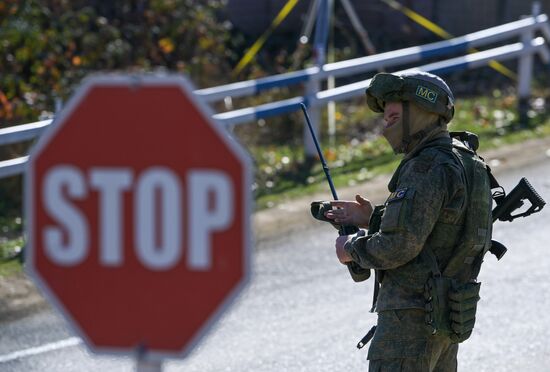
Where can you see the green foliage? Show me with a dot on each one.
(49, 46)
(10, 268)
(10, 254)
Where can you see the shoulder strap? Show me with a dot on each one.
(429, 256)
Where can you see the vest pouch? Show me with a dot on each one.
(437, 306)
(463, 301)
(451, 308)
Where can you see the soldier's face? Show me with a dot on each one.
(393, 129)
(393, 112)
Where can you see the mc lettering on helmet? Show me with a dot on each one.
(426, 93)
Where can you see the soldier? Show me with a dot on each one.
(427, 242)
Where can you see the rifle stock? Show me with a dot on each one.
(507, 204)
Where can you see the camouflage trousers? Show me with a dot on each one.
(403, 342)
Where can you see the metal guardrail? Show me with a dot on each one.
(357, 89)
(22, 132)
(525, 49)
(385, 60)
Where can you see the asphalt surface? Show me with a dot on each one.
(301, 311)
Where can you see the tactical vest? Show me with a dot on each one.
(478, 225)
(452, 292)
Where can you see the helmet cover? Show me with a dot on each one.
(427, 90)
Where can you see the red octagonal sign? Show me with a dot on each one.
(138, 215)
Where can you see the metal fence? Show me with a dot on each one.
(528, 45)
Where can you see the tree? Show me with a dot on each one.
(48, 46)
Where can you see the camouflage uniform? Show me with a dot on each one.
(426, 208)
(402, 343)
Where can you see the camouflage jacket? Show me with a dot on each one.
(426, 207)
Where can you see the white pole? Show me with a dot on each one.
(58, 105)
(331, 84)
(525, 72)
(314, 85)
(331, 114)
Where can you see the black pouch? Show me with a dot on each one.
(463, 301)
(451, 307)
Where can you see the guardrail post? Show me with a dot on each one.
(314, 85)
(525, 73)
(58, 105)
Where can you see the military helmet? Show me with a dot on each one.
(427, 90)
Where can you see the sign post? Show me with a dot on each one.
(138, 208)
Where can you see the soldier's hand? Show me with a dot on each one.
(346, 212)
(341, 253)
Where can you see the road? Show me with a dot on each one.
(301, 312)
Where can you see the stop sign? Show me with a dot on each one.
(138, 215)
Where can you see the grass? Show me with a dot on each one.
(9, 255)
